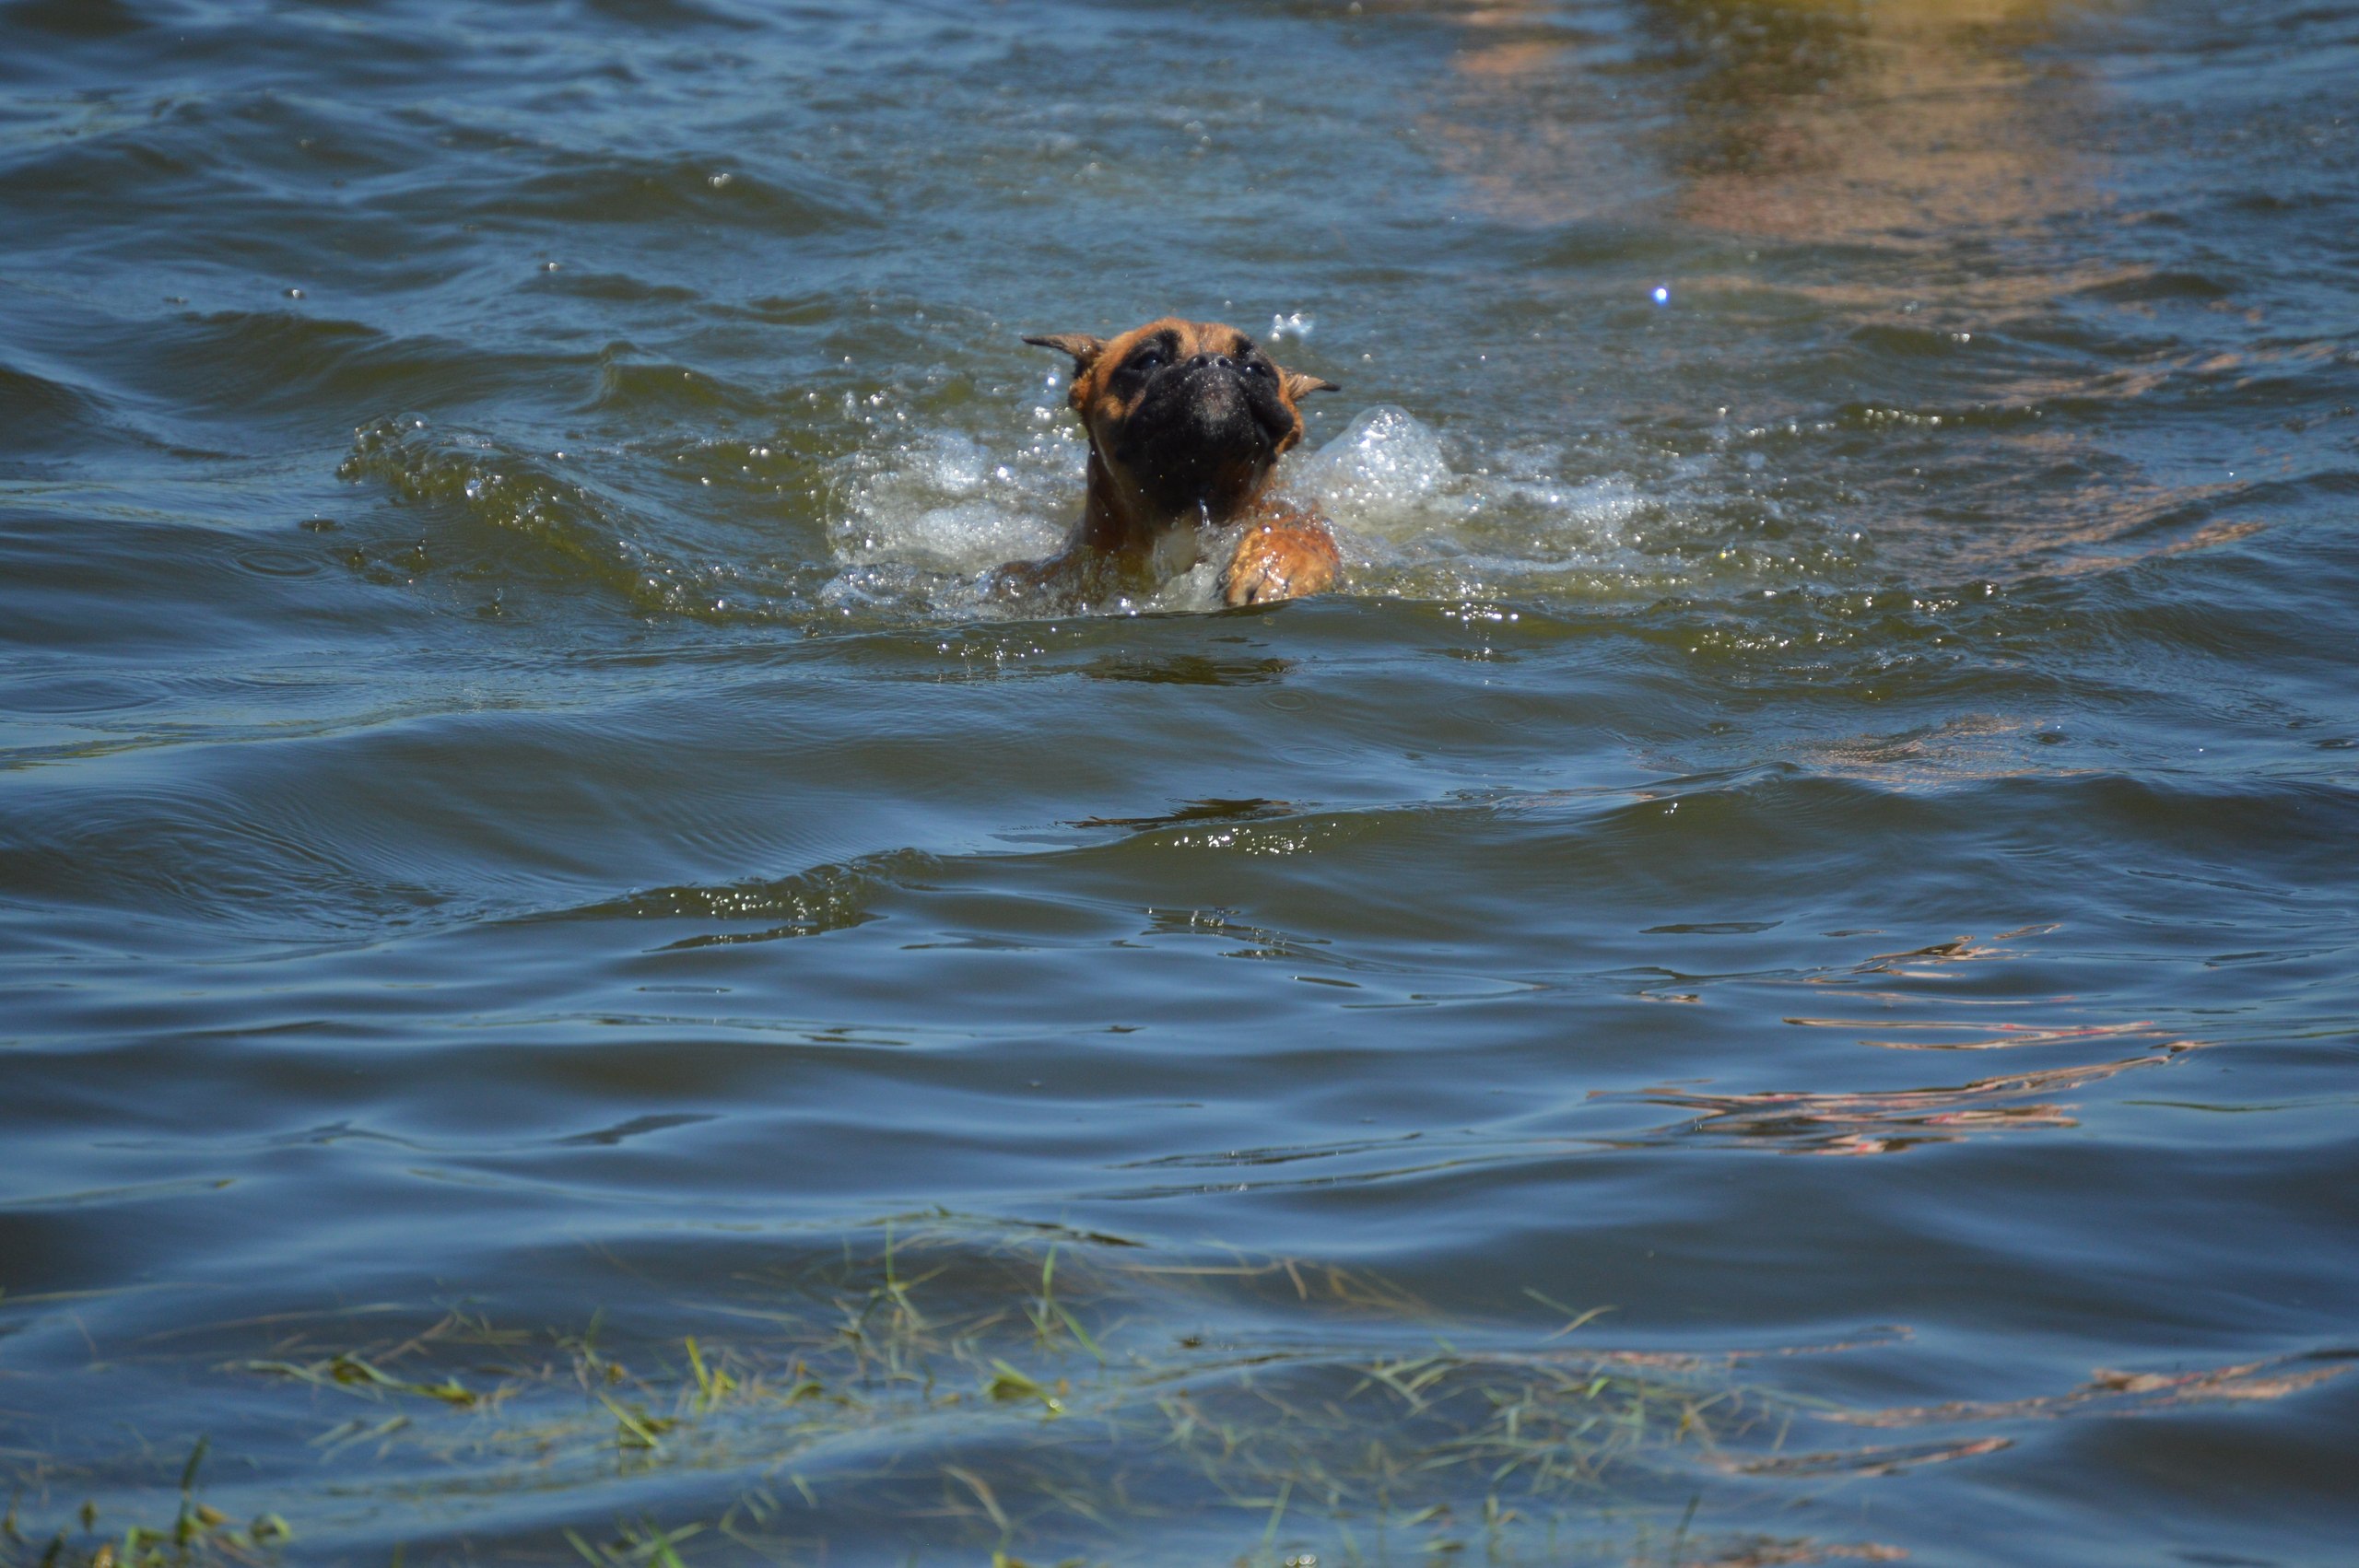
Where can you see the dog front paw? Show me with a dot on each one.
(1280, 560)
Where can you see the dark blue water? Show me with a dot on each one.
(1774, 979)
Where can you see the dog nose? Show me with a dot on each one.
(1203, 361)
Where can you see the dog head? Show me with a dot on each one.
(1188, 416)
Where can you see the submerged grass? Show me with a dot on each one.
(198, 1533)
(946, 1385)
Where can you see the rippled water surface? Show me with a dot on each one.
(1773, 980)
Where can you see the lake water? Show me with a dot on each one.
(1774, 980)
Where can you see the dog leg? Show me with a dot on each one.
(1282, 558)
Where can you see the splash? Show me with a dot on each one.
(1413, 524)
(919, 524)
(921, 521)
(947, 503)
(1385, 472)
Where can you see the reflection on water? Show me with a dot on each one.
(2108, 1392)
(1796, 119)
(1882, 122)
(1190, 670)
(1894, 1121)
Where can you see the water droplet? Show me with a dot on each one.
(1662, 294)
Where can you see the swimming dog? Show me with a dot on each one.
(1186, 422)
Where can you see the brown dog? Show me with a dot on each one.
(1186, 423)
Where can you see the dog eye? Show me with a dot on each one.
(1150, 360)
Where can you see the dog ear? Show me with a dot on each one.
(1299, 386)
(1084, 348)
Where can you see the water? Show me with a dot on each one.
(522, 846)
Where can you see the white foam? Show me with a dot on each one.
(945, 501)
(923, 519)
(1386, 471)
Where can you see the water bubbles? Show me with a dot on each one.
(1661, 295)
(1381, 468)
(948, 502)
(921, 516)
(719, 181)
(1294, 324)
